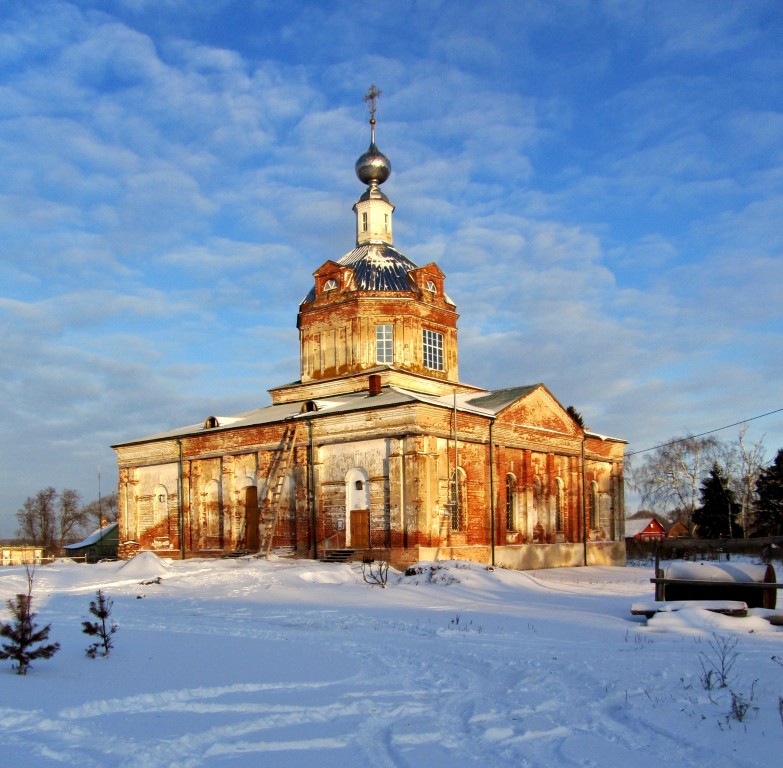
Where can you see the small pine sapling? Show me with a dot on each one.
(103, 629)
(22, 633)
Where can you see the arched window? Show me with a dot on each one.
(458, 503)
(330, 284)
(511, 502)
(431, 287)
(160, 507)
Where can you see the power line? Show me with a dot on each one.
(702, 434)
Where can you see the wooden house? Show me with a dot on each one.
(646, 529)
(99, 545)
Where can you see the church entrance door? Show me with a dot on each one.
(360, 528)
(251, 518)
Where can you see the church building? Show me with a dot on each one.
(379, 450)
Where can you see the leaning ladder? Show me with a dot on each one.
(275, 481)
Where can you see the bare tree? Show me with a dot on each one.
(72, 516)
(38, 519)
(50, 519)
(102, 509)
(670, 476)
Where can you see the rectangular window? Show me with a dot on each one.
(433, 350)
(384, 343)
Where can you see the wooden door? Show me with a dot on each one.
(251, 518)
(360, 528)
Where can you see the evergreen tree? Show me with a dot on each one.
(716, 517)
(23, 635)
(576, 416)
(769, 503)
(101, 609)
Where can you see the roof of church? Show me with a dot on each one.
(487, 405)
(500, 398)
(377, 267)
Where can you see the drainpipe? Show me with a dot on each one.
(180, 503)
(311, 489)
(584, 504)
(492, 491)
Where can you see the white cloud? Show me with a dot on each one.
(601, 184)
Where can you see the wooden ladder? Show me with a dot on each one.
(276, 478)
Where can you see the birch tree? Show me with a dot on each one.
(749, 464)
(670, 476)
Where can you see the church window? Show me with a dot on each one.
(364, 221)
(431, 287)
(433, 350)
(458, 502)
(160, 508)
(384, 343)
(330, 284)
(511, 499)
(386, 222)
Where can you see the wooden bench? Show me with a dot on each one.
(726, 607)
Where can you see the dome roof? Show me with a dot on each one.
(377, 267)
(373, 166)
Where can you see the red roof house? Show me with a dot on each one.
(645, 529)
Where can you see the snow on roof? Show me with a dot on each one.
(484, 403)
(635, 527)
(93, 538)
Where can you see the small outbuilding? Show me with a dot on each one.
(12, 554)
(99, 545)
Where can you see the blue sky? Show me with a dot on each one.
(601, 182)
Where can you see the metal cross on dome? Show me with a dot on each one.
(371, 98)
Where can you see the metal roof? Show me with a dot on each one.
(333, 404)
(498, 399)
(377, 267)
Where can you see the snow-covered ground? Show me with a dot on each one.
(296, 663)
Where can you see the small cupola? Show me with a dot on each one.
(373, 209)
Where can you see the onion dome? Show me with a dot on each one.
(373, 167)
